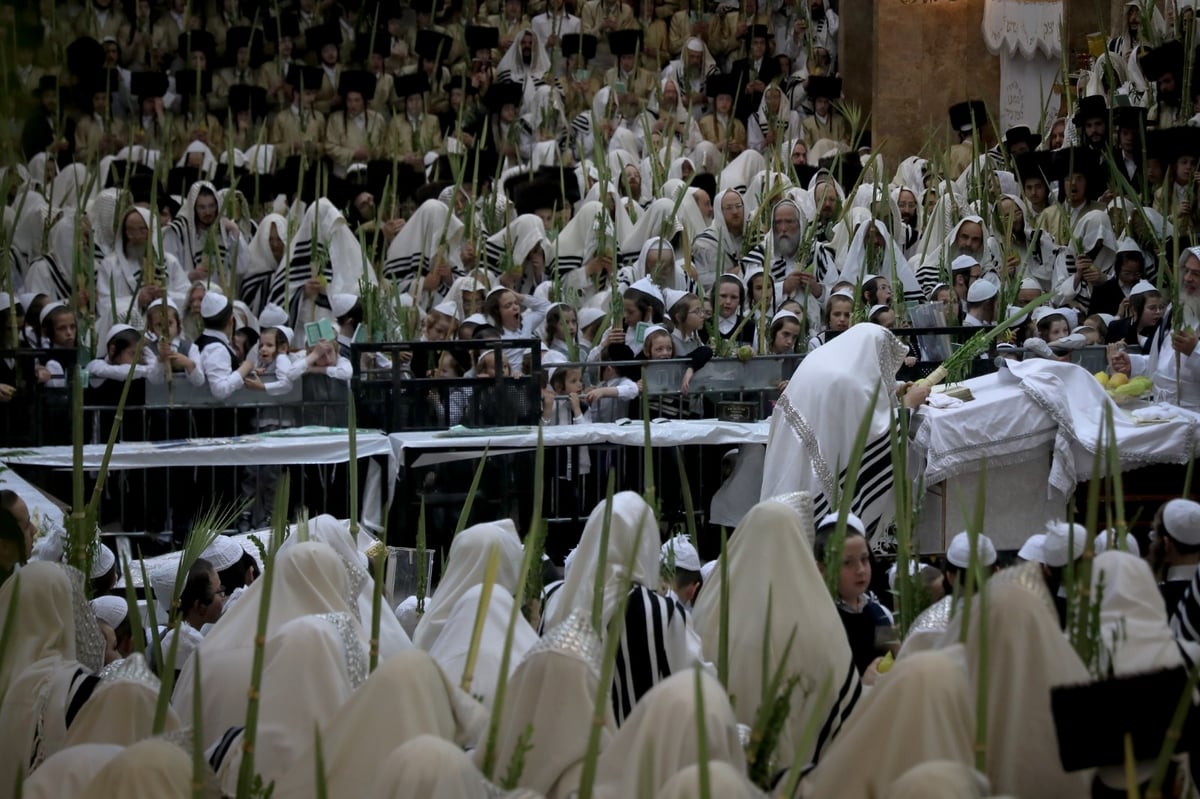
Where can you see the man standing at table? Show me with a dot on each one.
(1173, 363)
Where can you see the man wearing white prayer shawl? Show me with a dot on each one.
(404, 698)
(1027, 655)
(432, 768)
(68, 772)
(656, 637)
(969, 237)
(48, 670)
(123, 289)
(324, 258)
(879, 255)
(266, 251)
(795, 272)
(553, 691)
(718, 249)
(1033, 252)
(1077, 273)
(928, 691)
(519, 254)
(199, 228)
(1173, 363)
(526, 62)
(689, 72)
(425, 257)
(815, 424)
(53, 274)
(770, 553)
(151, 769)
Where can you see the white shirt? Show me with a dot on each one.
(1159, 365)
(217, 364)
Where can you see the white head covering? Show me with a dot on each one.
(466, 564)
(342, 270)
(151, 769)
(1064, 542)
(367, 727)
(429, 767)
(1181, 520)
(432, 230)
(892, 264)
(806, 461)
(929, 691)
(111, 610)
(1027, 656)
(633, 524)
(450, 649)
(68, 772)
(959, 551)
(553, 690)
(261, 264)
(684, 553)
(650, 748)
(770, 548)
(1034, 548)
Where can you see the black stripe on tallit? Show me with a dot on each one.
(223, 746)
(847, 699)
(82, 694)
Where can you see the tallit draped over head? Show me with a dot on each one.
(432, 231)
(429, 767)
(153, 769)
(323, 246)
(1027, 656)
(552, 691)
(888, 261)
(928, 692)
(261, 263)
(770, 557)
(813, 432)
(466, 564)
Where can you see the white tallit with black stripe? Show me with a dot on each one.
(431, 231)
(771, 559)
(887, 261)
(815, 424)
(656, 639)
(321, 246)
(508, 249)
(255, 284)
(53, 274)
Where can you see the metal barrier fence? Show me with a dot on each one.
(397, 387)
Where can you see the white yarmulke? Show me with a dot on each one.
(223, 552)
(475, 319)
(272, 316)
(111, 610)
(1030, 284)
(27, 299)
(589, 316)
(671, 297)
(1107, 317)
(1142, 287)
(114, 331)
(49, 308)
(959, 551)
(651, 330)
(963, 262)
(341, 304)
(646, 286)
(707, 569)
(867, 278)
(102, 562)
(1064, 542)
(1126, 244)
(852, 522)
(843, 293)
(981, 291)
(1042, 311)
(1181, 521)
(162, 580)
(686, 556)
(446, 308)
(213, 304)
(876, 309)
(287, 333)
(163, 300)
(1131, 544)
(1033, 549)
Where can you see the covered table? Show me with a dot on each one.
(1032, 429)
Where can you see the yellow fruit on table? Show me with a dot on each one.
(1118, 380)
(1142, 383)
(1102, 378)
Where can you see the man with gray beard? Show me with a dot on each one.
(1173, 363)
(795, 272)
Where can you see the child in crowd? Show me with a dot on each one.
(729, 297)
(686, 314)
(517, 316)
(869, 626)
(837, 318)
(561, 326)
(166, 344)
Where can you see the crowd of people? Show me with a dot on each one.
(231, 195)
(470, 699)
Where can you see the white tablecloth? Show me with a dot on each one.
(670, 433)
(297, 446)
